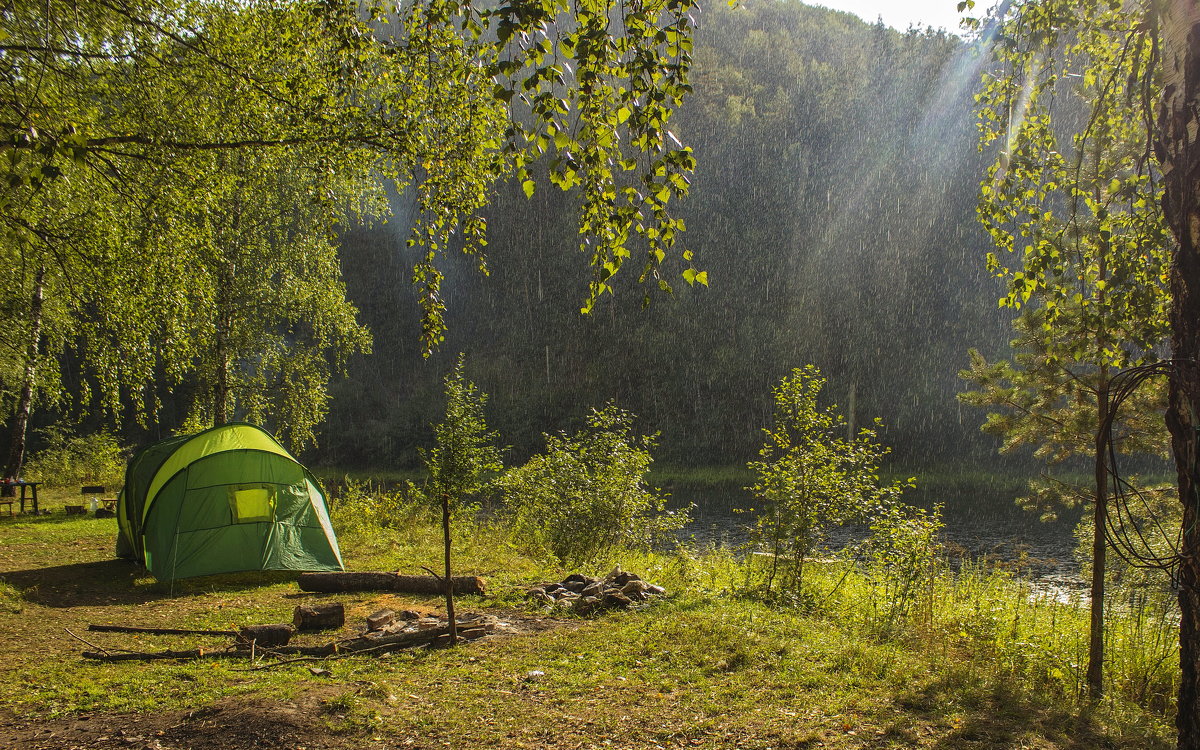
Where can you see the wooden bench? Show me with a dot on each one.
(9, 502)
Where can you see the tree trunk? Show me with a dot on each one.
(448, 581)
(220, 385)
(1095, 667)
(20, 426)
(224, 335)
(1179, 154)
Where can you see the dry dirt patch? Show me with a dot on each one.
(235, 723)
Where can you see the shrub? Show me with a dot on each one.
(70, 459)
(587, 492)
(812, 479)
(901, 563)
(360, 508)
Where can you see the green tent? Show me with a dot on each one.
(229, 498)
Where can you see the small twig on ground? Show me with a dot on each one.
(282, 662)
(86, 642)
(383, 647)
(330, 657)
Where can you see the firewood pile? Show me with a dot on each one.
(584, 595)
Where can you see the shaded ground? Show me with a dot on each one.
(309, 721)
(231, 724)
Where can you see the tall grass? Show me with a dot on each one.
(988, 625)
(1018, 630)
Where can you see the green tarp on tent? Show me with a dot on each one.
(227, 499)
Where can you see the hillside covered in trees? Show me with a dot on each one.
(833, 209)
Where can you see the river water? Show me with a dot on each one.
(981, 524)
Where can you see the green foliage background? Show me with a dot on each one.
(833, 209)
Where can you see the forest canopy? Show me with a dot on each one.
(175, 175)
(834, 178)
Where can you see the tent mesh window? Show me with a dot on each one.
(252, 503)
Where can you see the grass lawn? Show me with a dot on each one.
(702, 669)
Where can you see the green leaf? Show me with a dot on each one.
(529, 186)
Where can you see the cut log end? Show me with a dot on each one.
(319, 617)
(266, 636)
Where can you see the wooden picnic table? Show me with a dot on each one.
(11, 486)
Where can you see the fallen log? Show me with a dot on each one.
(330, 583)
(194, 653)
(156, 631)
(371, 643)
(319, 617)
(427, 636)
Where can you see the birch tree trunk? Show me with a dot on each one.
(1095, 667)
(1179, 153)
(20, 427)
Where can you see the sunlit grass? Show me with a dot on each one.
(982, 660)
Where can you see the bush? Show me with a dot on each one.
(587, 494)
(812, 479)
(359, 508)
(902, 563)
(70, 459)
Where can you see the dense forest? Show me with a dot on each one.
(833, 209)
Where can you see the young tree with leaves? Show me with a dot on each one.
(269, 321)
(464, 455)
(63, 253)
(1091, 250)
(812, 478)
(1169, 30)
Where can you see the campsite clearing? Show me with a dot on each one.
(702, 670)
